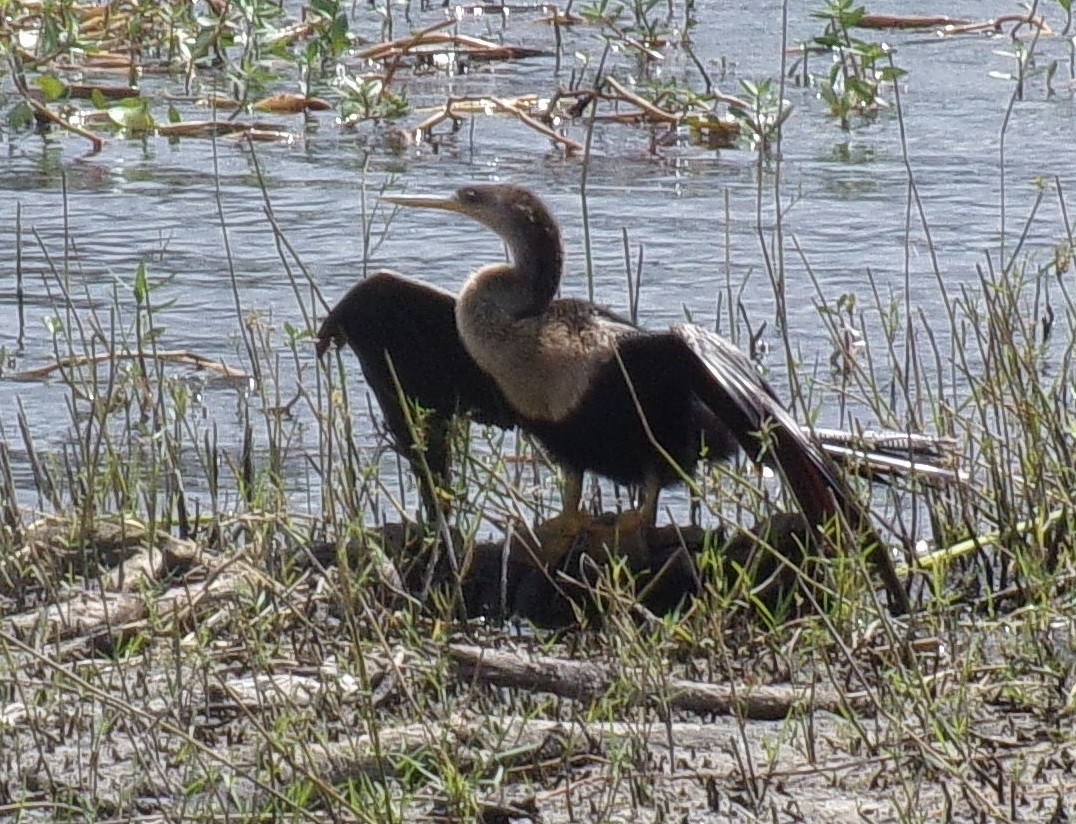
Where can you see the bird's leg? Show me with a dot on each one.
(557, 536)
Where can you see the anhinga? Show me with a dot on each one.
(597, 391)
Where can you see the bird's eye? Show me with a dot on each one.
(468, 194)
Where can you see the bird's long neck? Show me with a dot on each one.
(537, 262)
(498, 306)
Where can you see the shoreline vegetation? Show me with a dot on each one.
(178, 642)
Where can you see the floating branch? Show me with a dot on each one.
(505, 8)
(947, 25)
(512, 108)
(996, 24)
(45, 113)
(429, 42)
(217, 128)
(519, 107)
(289, 103)
(719, 131)
(651, 112)
(86, 91)
(445, 113)
(180, 356)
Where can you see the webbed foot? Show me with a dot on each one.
(555, 538)
(627, 536)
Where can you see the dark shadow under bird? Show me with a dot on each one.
(598, 392)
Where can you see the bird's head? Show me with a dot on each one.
(522, 221)
(517, 215)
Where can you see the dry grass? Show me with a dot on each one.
(242, 660)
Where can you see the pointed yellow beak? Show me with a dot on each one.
(450, 204)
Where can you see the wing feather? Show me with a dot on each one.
(404, 333)
(728, 383)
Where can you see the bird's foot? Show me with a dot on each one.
(625, 535)
(555, 538)
(628, 536)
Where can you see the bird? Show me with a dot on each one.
(597, 391)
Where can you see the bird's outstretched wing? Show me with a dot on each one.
(404, 333)
(730, 386)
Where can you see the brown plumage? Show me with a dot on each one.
(599, 393)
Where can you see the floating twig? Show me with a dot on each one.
(948, 25)
(428, 41)
(567, 142)
(445, 113)
(996, 23)
(180, 356)
(218, 128)
(516, 106)
(907, 21)
(653, 112)
(45, 112)
(289, 103)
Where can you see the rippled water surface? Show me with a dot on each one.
(694, 212)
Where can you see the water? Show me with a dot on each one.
(844, 198)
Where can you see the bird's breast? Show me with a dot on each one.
(544, 365)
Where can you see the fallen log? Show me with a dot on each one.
(583, 680)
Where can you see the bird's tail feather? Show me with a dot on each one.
(728, 383)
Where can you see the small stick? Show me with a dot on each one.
(47, 113)
(440, 117)
(948, 25)
(910, 21)
(655, 112)
(996, 23)
(19, 295)
(567, 142)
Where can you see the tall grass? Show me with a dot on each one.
(187, 632)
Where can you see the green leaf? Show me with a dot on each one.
(866, 90)
(52, 87)
(133, 119)
(173, 115)
(141, 285)
(891, 73)
(20, 116)
(98, 99)
(338, 34)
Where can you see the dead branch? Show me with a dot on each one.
(290, 103)
(180, 356)
(43, 111)
(582, 680)
(948, 25)
(996, 24)
(567, 142)
(204, 128)
(653, 112)
(907, 21)
(510, 742)
(430, 40)
(511, 106)
(441, 116)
